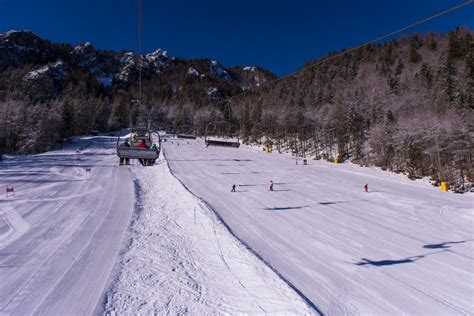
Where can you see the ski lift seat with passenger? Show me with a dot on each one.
(132, 151)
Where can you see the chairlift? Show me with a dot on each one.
(185, 132)
(222, 134)
(129, 149)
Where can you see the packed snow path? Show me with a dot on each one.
(403, 248)
(69, 237)
(181, 260)
(61, 234)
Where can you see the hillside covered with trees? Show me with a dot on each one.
(406, 105)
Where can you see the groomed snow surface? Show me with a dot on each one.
(84, 236)
(403, 248)
(181, 260)
(61, 234)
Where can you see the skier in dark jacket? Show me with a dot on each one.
(271, 185)
(127, 161)
(233, 188)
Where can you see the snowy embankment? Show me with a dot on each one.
(180, 259)
(404, 247)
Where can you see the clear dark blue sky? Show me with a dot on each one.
(278, 35)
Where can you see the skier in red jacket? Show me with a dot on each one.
(142, 144)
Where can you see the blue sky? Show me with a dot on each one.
(278, 35)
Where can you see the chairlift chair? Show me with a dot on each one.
(221, 134)
(150, 137)
(185, 132)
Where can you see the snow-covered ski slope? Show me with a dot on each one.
(83, 236)
(403, 248)
(180, 260)
(61, 234)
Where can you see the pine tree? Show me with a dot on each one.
(415, 57)
(426, 75)
(67, 121)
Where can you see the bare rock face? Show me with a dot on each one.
(110, 69)
(57, 72)
(22, 47)
(252, 76)
(46, 82)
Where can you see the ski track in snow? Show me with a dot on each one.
(72, 241)
(65, 228)
(403, 248)
(180, 259)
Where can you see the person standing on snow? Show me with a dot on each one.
(271, 185)
(366, 187)
(233, 188)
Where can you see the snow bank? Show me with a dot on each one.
(181, 259)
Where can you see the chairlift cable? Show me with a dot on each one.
(140, 51)
(404, 28)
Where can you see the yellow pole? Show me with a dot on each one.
(444, 186)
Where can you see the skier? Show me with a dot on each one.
(152, 161)
(366, 187)
(271, 185)
(127, 161)
(133, 139)
(233, 188)
(143, 145)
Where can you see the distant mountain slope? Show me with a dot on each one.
(70, 90)
(406, 105)
(396, 105)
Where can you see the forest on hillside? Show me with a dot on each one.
(406, 105)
